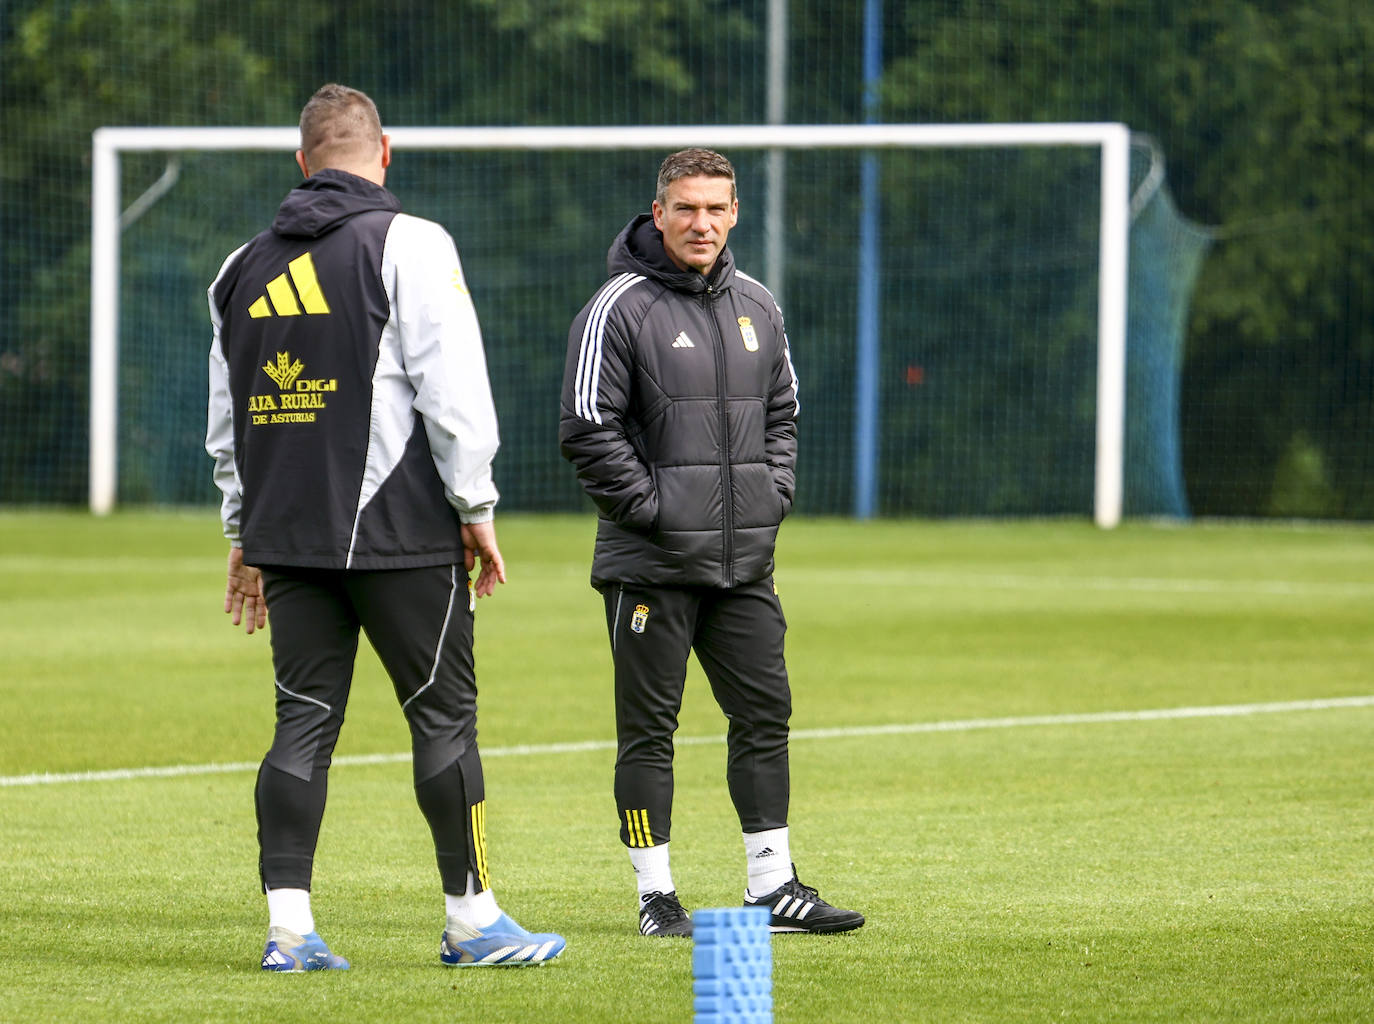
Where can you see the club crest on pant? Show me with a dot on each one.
(640, 618)
(746, 331)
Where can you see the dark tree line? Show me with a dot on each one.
(1262, 109)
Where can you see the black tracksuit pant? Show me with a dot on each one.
(419, 621)
(737, 634)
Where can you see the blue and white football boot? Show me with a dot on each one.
(291, 953)
(501, 944)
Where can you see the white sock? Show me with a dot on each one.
(769, 860)
(474, 909)
(652, 873)
(290, 909)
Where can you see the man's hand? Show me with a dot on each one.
(479, 541)
(243, 595)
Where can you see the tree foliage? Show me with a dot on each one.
(1262, 108)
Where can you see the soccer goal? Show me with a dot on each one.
(1000, 388)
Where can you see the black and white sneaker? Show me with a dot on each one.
(799, 908)
(660, 914)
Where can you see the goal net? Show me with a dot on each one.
(1019, 354)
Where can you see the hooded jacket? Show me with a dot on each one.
(350, 414)
(679, 412)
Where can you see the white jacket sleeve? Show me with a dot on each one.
(444, 360)
(219, 428)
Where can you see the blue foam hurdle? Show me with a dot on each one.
(732, 966)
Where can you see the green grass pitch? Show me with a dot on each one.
(976, 766)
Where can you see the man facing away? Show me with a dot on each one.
(353, 431)
(679, 412)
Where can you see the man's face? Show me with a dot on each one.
(696, 217)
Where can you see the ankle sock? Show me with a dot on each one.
(290, 909)
(768, 859)
(475, 909)
(652, 871)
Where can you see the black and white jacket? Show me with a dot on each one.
(350, 415)
(679, 412)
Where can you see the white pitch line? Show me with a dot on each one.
(848, 732)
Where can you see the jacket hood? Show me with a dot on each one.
(638, 249)
(324, 200)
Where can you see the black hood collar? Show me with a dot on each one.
(323, 200)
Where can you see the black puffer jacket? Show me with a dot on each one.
(679, 412)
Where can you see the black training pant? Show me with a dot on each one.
(737, 634)
(419, 621)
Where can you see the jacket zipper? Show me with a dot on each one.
(727, 570)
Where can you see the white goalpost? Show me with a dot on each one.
(1111, 139)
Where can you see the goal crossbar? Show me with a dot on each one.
(1112, 139)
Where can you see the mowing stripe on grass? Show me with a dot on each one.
(903, 577)
(848, 732)
(899, 576)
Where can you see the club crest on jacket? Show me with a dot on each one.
(746, 330)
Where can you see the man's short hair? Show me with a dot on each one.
(688, 163)
(338, 123)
